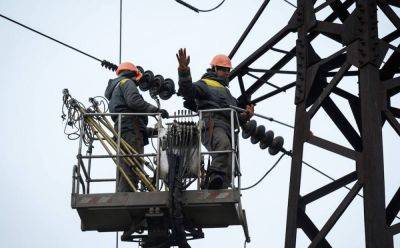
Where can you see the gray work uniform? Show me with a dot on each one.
(124, 97)
(206, 94)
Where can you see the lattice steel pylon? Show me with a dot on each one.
(317, 78)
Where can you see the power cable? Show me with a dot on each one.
(120, 55)
(262, 116)
(104, 63)
(199, 10)
(290, 3)
(326, 175)
(331, 178)
(120, 31)
(266, 174)
(305, 163)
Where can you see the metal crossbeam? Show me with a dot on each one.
(333, 147)
(342, 123)
(327, 90)
(329, 188)
(248, 29)
(336, 215)
(395, 229)
(363, 50)
(393, 207)
(309, 228)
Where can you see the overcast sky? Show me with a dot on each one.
(37, 157)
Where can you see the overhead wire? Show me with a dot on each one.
(326, 175)
(271, 119)
(212, 9)
(331, 178)
(263, 117)
(266, 174)
(277, 162)
(189, 6)
(288, 2)
(303, 162)
(104, 63)
(120, 31)
(112, 66)
(120, 55)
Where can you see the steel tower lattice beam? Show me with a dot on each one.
(371, 108)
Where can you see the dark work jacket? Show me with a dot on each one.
(124, 97)
(208, 96)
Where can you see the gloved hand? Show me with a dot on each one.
(164, 113)
(248, 114)
(183, 60)
(250, 110)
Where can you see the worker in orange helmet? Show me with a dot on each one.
(211, 92)
(124, 97)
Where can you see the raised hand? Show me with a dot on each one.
(183, 60)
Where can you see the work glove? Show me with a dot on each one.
(164, 113)
(250, 110)
(183, 60)
(248, 114)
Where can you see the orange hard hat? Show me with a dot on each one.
(128, 66)
(222, 61)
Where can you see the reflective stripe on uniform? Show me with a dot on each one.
(212, 83)
(124, 80)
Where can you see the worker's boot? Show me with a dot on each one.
(216, 181)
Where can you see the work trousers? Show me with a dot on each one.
(136, 142)
(218, 140)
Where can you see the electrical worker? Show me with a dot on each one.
(211, 92)
(124, 97)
